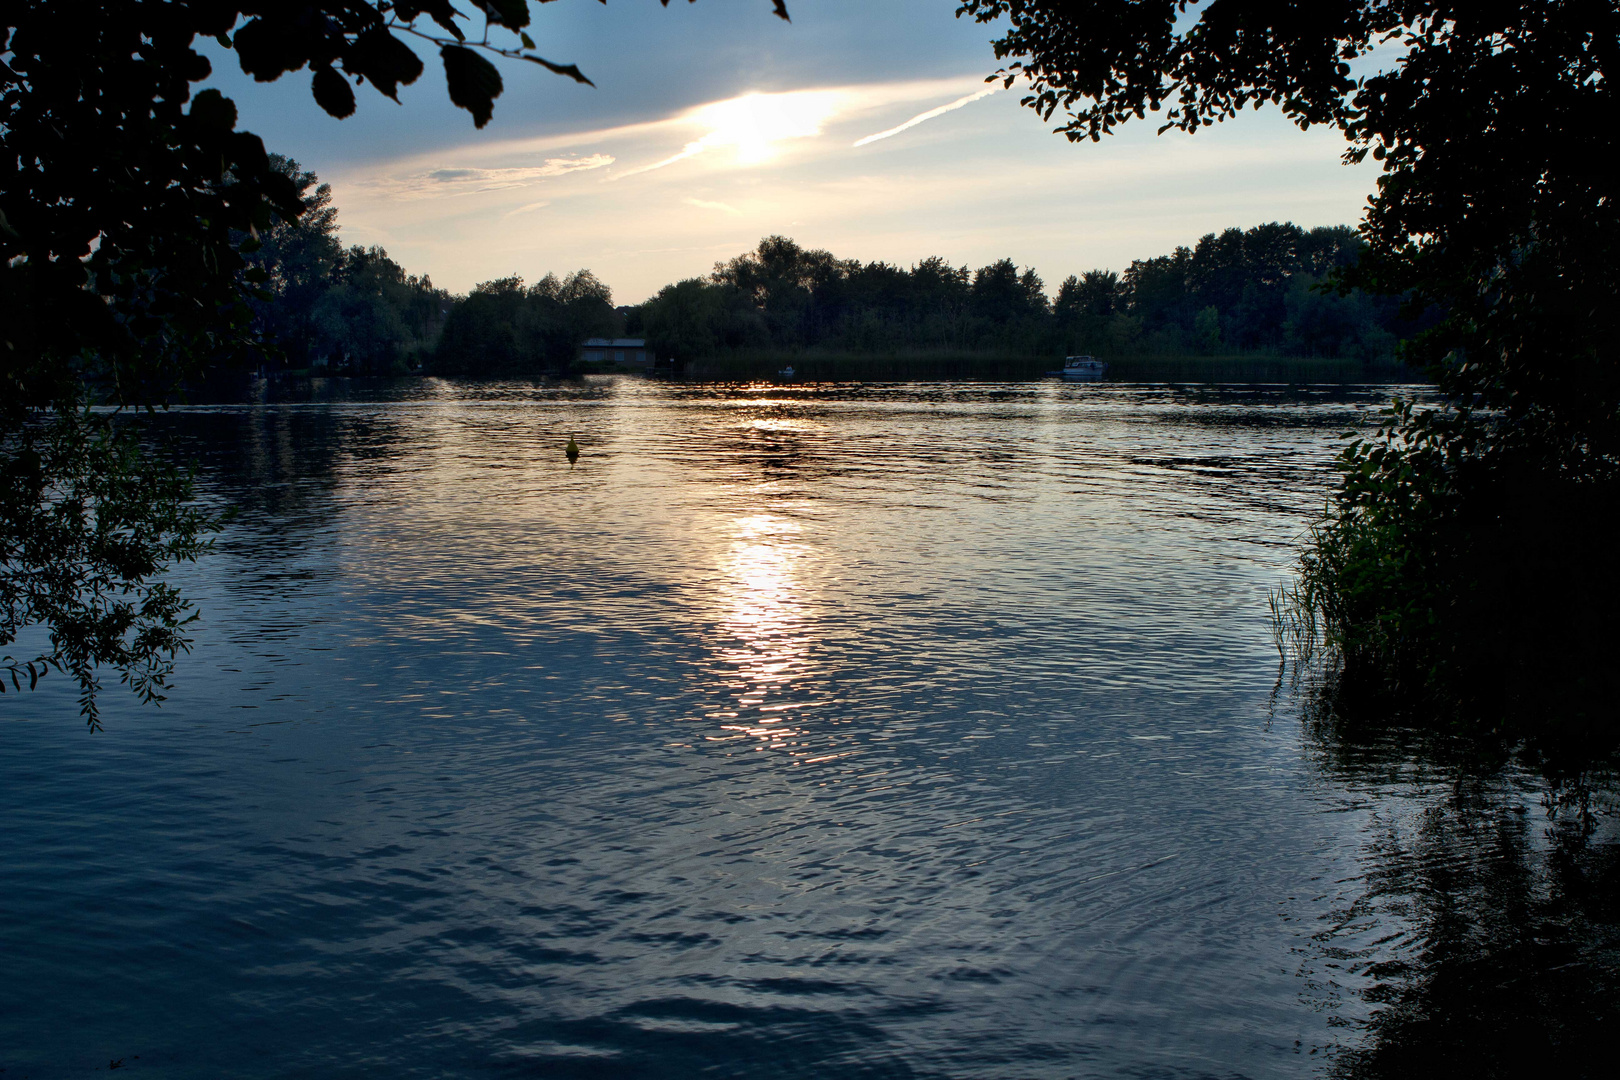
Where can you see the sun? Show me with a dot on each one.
(755, 123)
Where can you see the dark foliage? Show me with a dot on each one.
(1465, 577)
(341, 311)
(87, 525)
(125, 199)
(127, 205)
(1257, 290)
(503, 329)
(1464, 552)
(122, 199)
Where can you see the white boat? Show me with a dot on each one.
(1081, 369)
(786, 373)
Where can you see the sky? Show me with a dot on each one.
(864, 127)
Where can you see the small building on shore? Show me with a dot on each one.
(618, 352)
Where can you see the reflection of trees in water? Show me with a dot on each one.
(1483, 927)
(275, 466)
(279, 470)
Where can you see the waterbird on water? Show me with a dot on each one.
(572, 450)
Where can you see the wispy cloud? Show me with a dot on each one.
(754, 125)
(437, 183)
(781, 163)
(929, 115)
(705, 204)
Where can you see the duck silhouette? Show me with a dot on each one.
(572, 450)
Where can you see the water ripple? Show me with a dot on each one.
(879, 731)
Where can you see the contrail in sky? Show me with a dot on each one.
(929, 115)
(691, 149)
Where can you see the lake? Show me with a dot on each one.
(927, 730)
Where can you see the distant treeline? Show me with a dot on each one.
(1261, 291)
(357, 312)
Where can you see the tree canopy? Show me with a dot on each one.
(505, 329)
(130, 209)
(351, 311)
(1490, 122)
(125, 197)
(1466, 548)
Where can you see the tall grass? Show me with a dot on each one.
(1463, 580)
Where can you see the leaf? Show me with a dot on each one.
(268, 48)
(384, 59)
(443, 13)
(213, 109)
(332, 92)
(474, 82)
(571, 70)
(509, 13)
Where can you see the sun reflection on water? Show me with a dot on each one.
(767, 634)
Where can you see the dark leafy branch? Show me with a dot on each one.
(87, 524)
(1464, 562)
(130, 207)
(1484, 117)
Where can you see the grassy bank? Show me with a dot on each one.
(921, 365)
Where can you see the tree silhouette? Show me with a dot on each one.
(1483, 115)
(1452, 534)
(129, 209)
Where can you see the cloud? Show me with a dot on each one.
(929, 115)
(705, 204)
(753, 124)
(437, 183)
(781, 163)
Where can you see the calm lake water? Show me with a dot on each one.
(920, 731)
